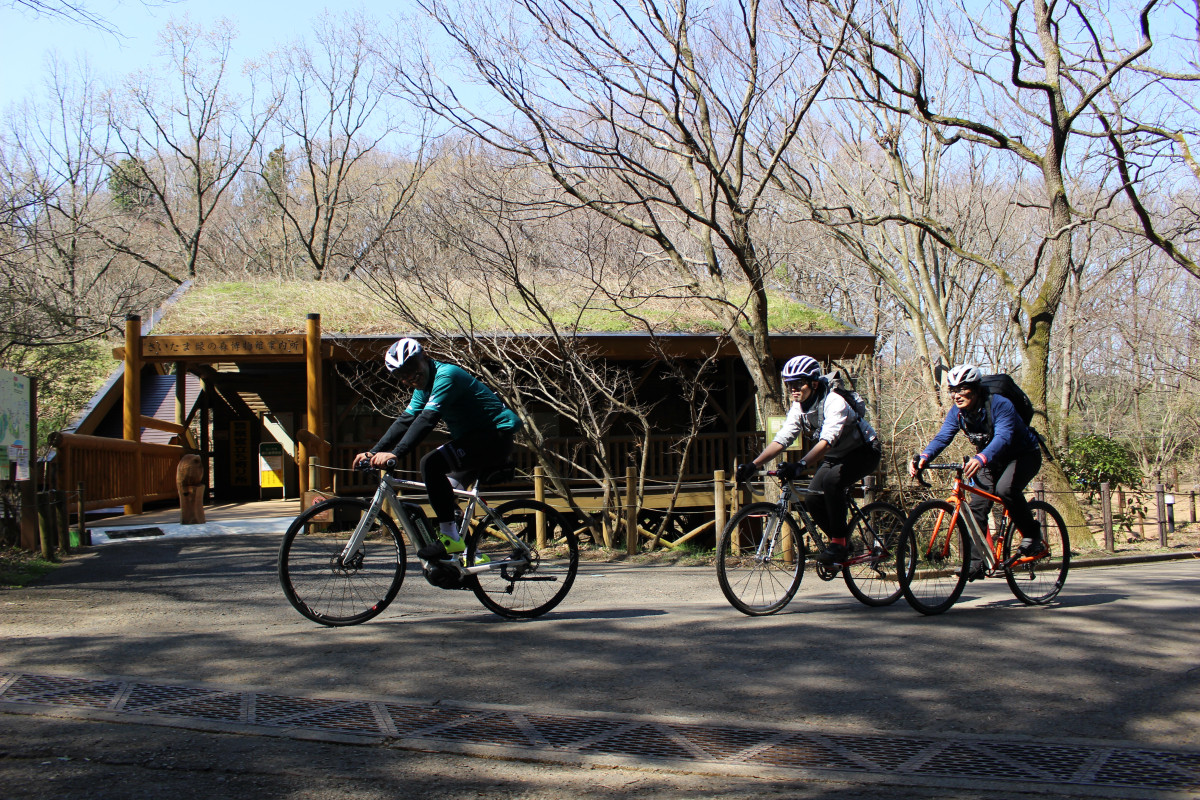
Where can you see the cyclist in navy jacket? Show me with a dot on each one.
(1008, 453)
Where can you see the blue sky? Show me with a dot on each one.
(26, 39)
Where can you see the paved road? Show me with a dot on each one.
(1116, 660)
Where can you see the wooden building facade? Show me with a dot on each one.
(280, 407)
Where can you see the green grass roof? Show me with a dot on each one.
(273, 307)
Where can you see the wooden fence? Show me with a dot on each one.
(109, 469)
(708, 452)
(1164, 510)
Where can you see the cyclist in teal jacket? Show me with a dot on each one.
(481, 430)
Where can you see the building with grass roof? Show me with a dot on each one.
(270, 378)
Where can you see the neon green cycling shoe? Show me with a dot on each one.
(453, 546)
(482, 558)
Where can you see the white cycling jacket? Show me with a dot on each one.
(837, 422)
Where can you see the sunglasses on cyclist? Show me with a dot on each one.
(960, 390)
(407, 371)
(795, 386)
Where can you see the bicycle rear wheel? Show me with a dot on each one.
(325, 587)
(760, 559)
(932, 557)
(870, 571)
(1037, 581)
(515, 586)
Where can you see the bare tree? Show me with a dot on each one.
(182, 140)
(1153, 131)
(63, 286)
(1034, 73)
(667, 119)
(338, 192)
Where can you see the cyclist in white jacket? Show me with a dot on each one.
(847, 449)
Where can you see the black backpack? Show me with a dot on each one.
(836, 382)
(1004, 385)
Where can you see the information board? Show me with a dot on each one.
(14, 426)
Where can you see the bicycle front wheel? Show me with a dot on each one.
(517, 584)
(332, 588)
(932, 557)
(760, 559)
(1038, 580)
(870, 571)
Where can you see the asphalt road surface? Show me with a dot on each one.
(1115, 662)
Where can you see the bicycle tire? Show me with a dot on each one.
(327, 591)
(874, 582)
(527, 590)
(931, 560)
(1036, 583)
(755, 583)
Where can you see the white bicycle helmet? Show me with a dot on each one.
(963, 373)
(801, 368)
(401, 352)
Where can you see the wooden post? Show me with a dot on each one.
(1039, 490)
(869, 489)
(539, 494)
(631, 531)
(63, 525)
(720, 504)
(315, 423)
(85, 536)
(1106, 512)
(1160, 501)
(205, 445)
(132, 429)
(1192, 495)
(45, 526)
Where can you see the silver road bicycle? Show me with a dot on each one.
(342, 561)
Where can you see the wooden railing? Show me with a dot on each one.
(708, 452)
(108, 468)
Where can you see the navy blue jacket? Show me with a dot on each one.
(1003, 438)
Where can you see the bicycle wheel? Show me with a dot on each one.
(760, 559)
(931, 560)
(324, 587)
(515, 586)
(870, 572)
(1037, 581)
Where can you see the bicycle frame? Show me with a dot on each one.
(987, 544)
(792, 499)
(388, 495)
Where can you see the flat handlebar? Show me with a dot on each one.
(957, 468)
(365, 465)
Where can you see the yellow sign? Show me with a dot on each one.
(270, 465)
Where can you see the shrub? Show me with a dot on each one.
(1093, 460)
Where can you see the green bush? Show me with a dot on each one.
(1093, 460)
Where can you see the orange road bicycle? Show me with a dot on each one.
(942, 537)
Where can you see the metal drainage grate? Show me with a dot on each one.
(558, 737)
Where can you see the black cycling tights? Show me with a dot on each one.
(833, 478)
(1007, 480)
(462, 460)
